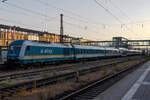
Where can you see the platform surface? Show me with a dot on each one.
(135, 86)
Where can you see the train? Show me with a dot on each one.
(26, 52)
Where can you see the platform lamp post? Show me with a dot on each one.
(61, 28)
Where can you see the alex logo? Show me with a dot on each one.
(46, 51)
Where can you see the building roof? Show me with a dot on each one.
(28, 30)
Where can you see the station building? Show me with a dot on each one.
(10, 33)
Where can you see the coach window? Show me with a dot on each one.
(28, 47)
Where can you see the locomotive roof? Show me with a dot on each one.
(36, 43)
(17, 42)
(52, 44)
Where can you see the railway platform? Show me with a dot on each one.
(135, 86)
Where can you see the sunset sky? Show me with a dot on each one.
(82, 18)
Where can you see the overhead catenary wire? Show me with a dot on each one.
(37, 13)
(113, 15)
(108, 11)
(24, 25)
(29, 10)
(120, 10)
(84, 21)
(41, 14)
(126, 15)
(12, 11)
(18, 22)
(80, 19)
(27, 13)
(73, 15)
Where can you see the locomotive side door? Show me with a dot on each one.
(66, 52)
(73, 52)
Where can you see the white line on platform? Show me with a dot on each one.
(146, 83)
(131, 92)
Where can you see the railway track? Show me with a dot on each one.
(9, 90)
(37, 74)
(95, 88)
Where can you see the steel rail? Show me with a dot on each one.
(9, 90)
(95, 88)
(37, 73)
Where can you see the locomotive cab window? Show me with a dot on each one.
(28, 48)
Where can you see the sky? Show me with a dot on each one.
(82, 18)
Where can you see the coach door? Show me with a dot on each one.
(66, 51)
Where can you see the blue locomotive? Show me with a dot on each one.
(24, 52)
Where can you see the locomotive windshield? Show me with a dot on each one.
(15, 49)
